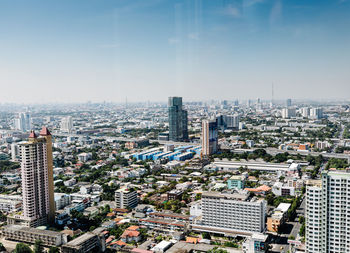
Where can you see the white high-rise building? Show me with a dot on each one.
(288, 113)
(209, 137)
(23, 122)
(67, 124)
(305, 112)
(316, 113)
(237, 212)
(328, 213)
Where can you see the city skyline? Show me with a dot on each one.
(149, 50)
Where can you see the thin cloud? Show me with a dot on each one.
(193, 36)
(232, 11)
(173, 41)
(276, 12)
(249, 3)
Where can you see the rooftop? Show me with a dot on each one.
(15, 228)
(79, 240)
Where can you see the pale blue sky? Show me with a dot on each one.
(74, 51)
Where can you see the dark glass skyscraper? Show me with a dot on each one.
(178, 129)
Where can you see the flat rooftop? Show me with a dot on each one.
(19, 228)
(233, 196)
(80, 239)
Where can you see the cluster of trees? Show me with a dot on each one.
(173, 205)
(346, 134)
(91, 223)
(38, 248)
(8, 165)
(108, 191)
(337, 163)
(292, 212)
(302, 227)
(60, 187)
(330, 131)
(217, 250)
(257, 153)
(273, 200)
(317, 162)
(340, 149)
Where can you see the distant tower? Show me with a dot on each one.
(37, 179)
(272, 95)
(67, 124)
(178, 122)
(209, 137)
(23, 122)
(289, 102)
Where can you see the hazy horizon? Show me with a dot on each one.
(78, 51)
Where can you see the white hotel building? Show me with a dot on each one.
(233, 213)
(328, 213)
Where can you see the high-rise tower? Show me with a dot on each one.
(37, 181)
(209, 137)
(178, 129)
(45, 133)
(327, 213)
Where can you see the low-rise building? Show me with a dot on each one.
(175, 195)
(85, 243)
(278, 217)
(30, 235)
(280, 189)
(163, 225)
(236, 181)
(62, 200)
(10, 203)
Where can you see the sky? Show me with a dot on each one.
(146, 50)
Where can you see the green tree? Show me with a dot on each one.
(217, 250)
(206, 235)
(38, 247)
(54, 250)
(2, 247)
(22, 248)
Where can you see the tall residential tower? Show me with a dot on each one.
(37, 181)
(327, 213)
(209, 137)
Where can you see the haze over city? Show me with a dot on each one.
(175, 126)
(148, 50)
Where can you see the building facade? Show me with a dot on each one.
(209, 137)
(31, 235)
(67, 124)
(327, 213)
(237, 212)
(126, 198)
(178, 125)
(37, 180)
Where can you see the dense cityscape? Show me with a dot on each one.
(174, 126)
(216, 176)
